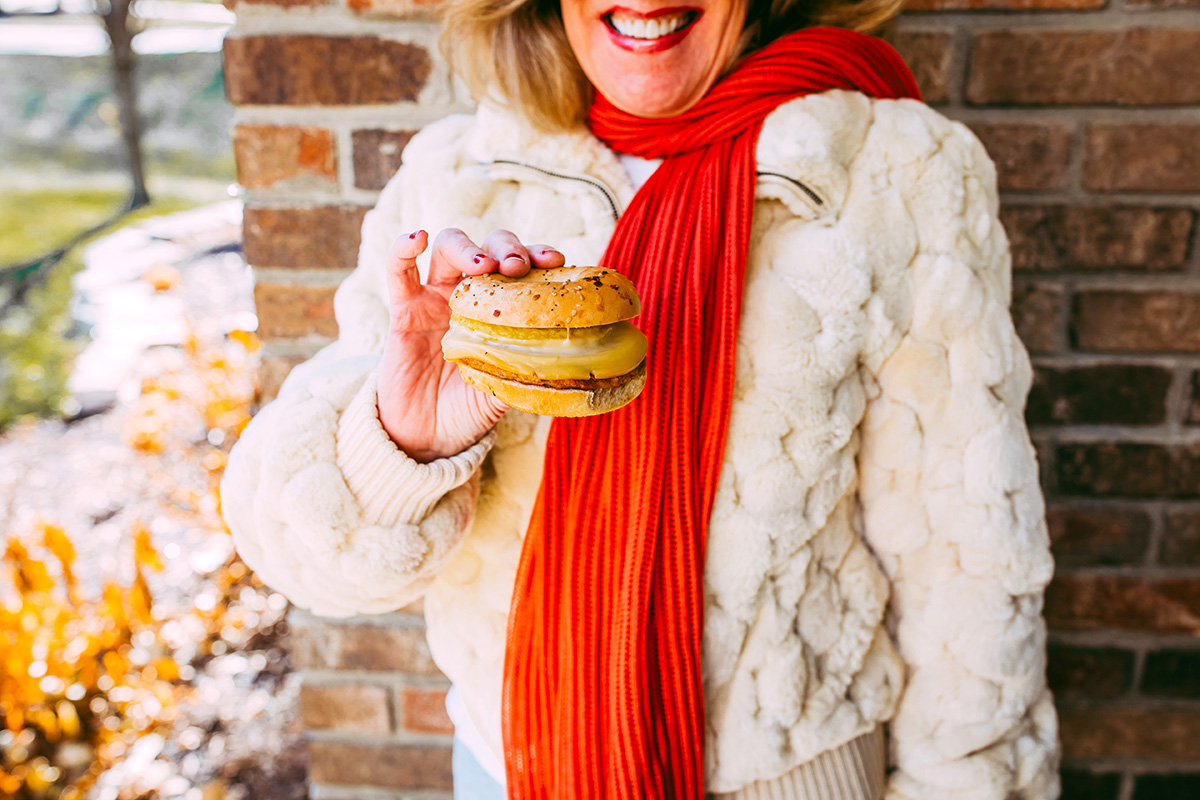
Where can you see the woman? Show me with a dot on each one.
(823, 515)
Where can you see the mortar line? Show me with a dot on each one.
(1126, 790)
(1132, 359)
(1125, 434)
(1125, 640)
(1179, 396)
(343, 131)
(1077, 157)
(1157, 200)
(956, 84)
(1135, 677)
(1101, 19)
(1138, 571)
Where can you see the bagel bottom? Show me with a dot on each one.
(551, 402)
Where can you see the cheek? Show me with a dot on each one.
(579, 33)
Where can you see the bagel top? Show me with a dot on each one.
(561, 297)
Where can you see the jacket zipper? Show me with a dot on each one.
(816, 198)
(611, 196)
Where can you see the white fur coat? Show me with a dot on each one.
(877, 549)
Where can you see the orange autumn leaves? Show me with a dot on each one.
(80, 679)
(83, 679)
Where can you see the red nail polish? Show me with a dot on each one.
(513, 255)
(478, 259)
(412, 235)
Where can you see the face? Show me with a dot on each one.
(653, 58)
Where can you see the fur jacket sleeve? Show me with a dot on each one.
(950, 496)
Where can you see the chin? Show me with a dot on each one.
(654, 107)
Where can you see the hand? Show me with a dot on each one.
(424, 405)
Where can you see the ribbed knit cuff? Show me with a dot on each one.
(854, 771)
(392, 488)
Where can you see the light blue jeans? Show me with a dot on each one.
(472, 781)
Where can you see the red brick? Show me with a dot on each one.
(324, 237)
(271, 156)
(1080, 784)
(386, 766)
(1027, 155)
(1036, 310)
(1002, 5)
(272, 371)
(1126, 469)
(1130, 66)
(1172, 673)
(1098, 536)
(928, 56)
(323, 70)
(362, 647)
(1181, 539)
(1151, 734)
(293, 311)
(1151, 157)
(1089, 672)
(1166, 321)
(1068, 238)
(377, 156)
(346, 709)
(424, 711)
(1113, 602)
(1118, 394)
(394, 8)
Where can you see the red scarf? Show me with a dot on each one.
(602, 685)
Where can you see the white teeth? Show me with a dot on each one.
(640, 28)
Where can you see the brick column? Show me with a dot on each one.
(327, 96)
(374, 705)
(1091, 109)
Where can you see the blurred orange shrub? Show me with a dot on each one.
(80, 680)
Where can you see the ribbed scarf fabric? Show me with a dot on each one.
(602, 684)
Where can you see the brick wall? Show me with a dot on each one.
(1091, 109)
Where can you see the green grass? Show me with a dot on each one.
(36, 341)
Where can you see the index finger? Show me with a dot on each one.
(403, 279)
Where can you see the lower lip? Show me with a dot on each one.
(649, 45)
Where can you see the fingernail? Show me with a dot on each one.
(412, 235)
(517, 256)
(479, 258)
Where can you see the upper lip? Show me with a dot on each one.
(661, 12)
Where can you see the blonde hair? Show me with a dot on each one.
(516, 54)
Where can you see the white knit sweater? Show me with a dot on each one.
(877, 549)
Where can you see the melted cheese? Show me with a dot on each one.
(605, 351)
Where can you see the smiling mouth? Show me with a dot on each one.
(641, 28)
